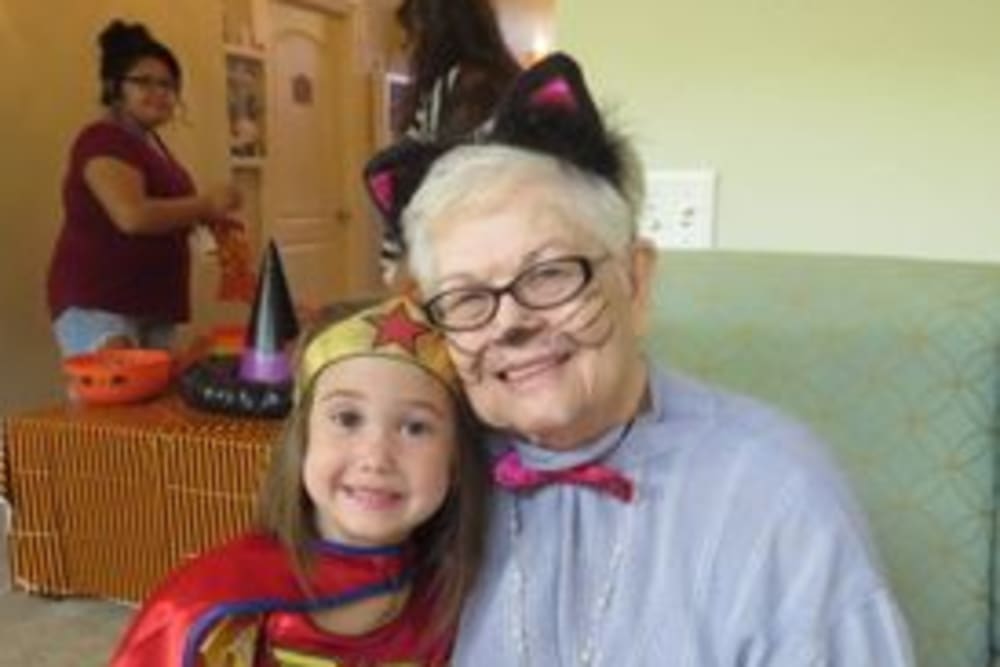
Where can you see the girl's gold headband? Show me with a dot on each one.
(395, 329)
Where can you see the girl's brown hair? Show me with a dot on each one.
(448, 547)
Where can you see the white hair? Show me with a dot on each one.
(483, 176)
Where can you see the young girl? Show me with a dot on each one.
(370, 526)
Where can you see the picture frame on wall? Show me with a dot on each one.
(246, 96)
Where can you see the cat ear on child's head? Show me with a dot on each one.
(393, 175)
(550, 109)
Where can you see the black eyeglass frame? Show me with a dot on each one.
(587, 267)
(147, 83)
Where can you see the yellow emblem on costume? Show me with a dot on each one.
(396, 329)
(231, 643)
(287, 658)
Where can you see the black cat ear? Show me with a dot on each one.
(554, 84)
(550, 110)
(393, 175)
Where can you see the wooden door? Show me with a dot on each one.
(314, 166)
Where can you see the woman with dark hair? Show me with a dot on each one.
(460, 68)
(119, 272)
(459, 63)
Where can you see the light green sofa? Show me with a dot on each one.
(896, 363)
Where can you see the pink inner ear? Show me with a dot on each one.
(382, 187)
(555, 93)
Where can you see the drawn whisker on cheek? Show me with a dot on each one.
(461, 349)
(600, 316)
(589, 324)
(470, 375)
(585, 301)
(592, 307)
(597, 330)
(468, 362)
(598, 338)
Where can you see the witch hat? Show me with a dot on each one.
(273, 325)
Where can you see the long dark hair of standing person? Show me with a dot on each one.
(444, 33)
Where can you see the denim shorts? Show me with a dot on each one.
(80, 330)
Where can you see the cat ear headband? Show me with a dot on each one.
(548, 109)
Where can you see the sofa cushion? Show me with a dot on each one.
(893, 362)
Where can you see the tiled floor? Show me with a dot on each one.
(53, 633)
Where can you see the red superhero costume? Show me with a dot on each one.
(242, 605)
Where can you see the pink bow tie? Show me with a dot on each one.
(510, 473)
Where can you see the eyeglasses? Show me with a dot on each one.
(540, 286)
(148, 83)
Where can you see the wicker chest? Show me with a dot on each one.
(106, 500)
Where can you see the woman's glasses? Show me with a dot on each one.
(150, 83)
(540, 286)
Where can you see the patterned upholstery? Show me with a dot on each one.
(896, 363)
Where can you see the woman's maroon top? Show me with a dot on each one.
(96, 265)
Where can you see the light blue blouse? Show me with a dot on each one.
(742, 548)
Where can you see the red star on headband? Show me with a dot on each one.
(396, 326)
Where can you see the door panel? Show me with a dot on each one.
(311, 218)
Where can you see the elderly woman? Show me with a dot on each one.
(645, 519)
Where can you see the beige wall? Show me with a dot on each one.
(48, 65)
(854, 126)
(528, 26)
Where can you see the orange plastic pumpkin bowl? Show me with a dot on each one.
(113, 376)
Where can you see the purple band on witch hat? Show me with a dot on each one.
(266, 367)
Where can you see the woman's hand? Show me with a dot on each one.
(121, 190)
(224, 226)
(220, 201)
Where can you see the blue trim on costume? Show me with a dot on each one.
(207, 620)
(334, 547)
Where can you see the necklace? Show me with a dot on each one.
(588, 655)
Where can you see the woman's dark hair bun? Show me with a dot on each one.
(120, 37)
(122, 44)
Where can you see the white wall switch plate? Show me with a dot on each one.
(680, 208)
